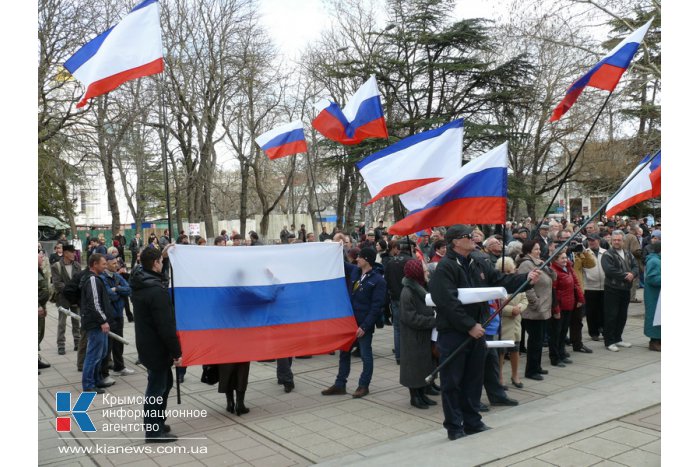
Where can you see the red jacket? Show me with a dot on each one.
(567, 288)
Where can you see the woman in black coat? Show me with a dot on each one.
(417, 322)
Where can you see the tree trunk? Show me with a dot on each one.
(245, 174)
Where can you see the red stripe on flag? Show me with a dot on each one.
(401, 187)
(655, 178)
(263, 343)
(566, 103)
(638, 198)
(288, 149)
(374, 129)
(606, 77)
(330, 127)
(482, 210)
(110, 83)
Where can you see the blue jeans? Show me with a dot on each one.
(396, 320)
(365, 344)
(97, 346)
(159, 384)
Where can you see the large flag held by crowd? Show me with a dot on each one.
(414, 161)
(645, 184)
(361, 118)
(245, 304)
(283, 141)
(476, 194)
(129, 50)
(606, 73)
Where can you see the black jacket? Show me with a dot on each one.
(453, 273)
(95, 306)
(156, 339)
(616, 268)
(393, 274)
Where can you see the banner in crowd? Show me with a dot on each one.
(606, 73)
(414, 161)
(361, 118)
(474, 195)
(240, 304)
(284, 140)
(131, 49)
(645, 184)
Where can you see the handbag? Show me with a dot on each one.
(210, 374)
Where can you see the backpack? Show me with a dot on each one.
(71, 291)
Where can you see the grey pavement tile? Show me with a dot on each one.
(530, 463)
(276, 460)
(654, 446)
(256, 452)
(165, 460)
(142, 463)
(308, 440)
(600, 447)
(609, 463)
(357, 441)
(567, 457)
(226, 435)
(627, 436)
(227, 459)
(329, 449)
(638, 458)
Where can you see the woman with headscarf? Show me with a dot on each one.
(417, 321)
(539, 308)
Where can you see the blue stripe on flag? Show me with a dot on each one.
(201, 308)
(624, 56)
(490, 182)
(409, 141)
(368, 111)
(143, 4)
(284, 138)
(86, 52)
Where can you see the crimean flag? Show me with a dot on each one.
(474, 195)
(414, 161)
(258, 303)
(606, 73)
(361, 118)
(645, 184)
(131, 49)
(283, 141)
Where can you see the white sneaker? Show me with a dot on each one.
(624, 344)
(108, 381)
(124, 372)
(613, 348)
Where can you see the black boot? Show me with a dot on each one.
(429, 390)
(424, 398)
(229, 401)
(416, 401)
(435, 386)
(240, 403)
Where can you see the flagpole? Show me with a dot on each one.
(429, 379)
(573, 161)
(313, 180)
(164, 156)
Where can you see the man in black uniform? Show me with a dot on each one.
(156, 341)
(463, 377)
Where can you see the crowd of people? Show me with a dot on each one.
(387, 279)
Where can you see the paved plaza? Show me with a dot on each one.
(604, 409)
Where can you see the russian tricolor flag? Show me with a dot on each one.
(414, 161)
(606, 73)
(129, 50)
(361, 118)
(645, 184)
(256, 303)
(283, 141)
(476, 194)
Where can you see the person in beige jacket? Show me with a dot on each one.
(511, 326)
(538, 310)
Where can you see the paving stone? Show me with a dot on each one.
(627, 436)
(654, 446)
(256, 452)
(638, 458)
(530, 463)
(567, 457)
(276, 460)
(600, 447)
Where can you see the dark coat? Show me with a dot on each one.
(94, 302)
(393, 273)
(454, 272)
(367, 300)
(43, 290)
(156, 339)
(59, 279)
(616, 268)
(417, 322)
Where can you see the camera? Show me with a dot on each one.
(575, 247)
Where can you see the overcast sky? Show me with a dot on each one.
(294, 23)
